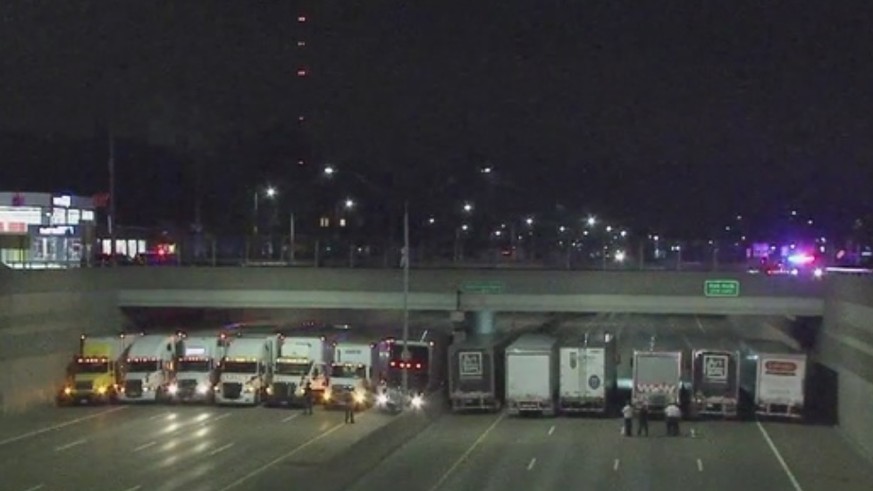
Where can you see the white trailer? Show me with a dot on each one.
(532, 375)
(244, 371)
(779, 378)
(150, 368)
(587, 375)
(657, 378)
(296, 362)
(197, 370)
(351, 371)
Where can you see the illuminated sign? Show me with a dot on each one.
(780, 367)
(195, 351)
(87, 216)
(59, 230)
(62, 201)
(30, 215)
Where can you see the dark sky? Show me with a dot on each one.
(667, 114)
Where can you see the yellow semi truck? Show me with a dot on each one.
(95, 372)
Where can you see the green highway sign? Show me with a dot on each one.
(721, 288)
(484, 287)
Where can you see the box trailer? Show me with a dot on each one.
(532, 375)
(715, 384)
(587, 378)
(774, 377)
(476, 373)
(657, 378)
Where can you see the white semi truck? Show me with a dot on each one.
(150, 368)
(244, 371)
(295, 362)
(532, 375)
(774, 375)
(197, 370)
(588, 373)
(657, 378)
(350, 371)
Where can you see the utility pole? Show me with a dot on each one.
(110, 222)
(406, 259)
(292, 238)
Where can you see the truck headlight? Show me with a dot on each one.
(417, 402)
(173, 389)
(203, 388)
(269, 390)
(326, 395)
(382, 399)
(68, 390)
(101, 390)
(359, 398)
(249, 388)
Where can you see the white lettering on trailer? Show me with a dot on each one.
(715, 368)
(470, 365)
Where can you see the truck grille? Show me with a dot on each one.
(133, 388)
(283, 389)
(187, 386)
(84, 385)
(231, 390)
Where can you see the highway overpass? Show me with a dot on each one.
(643, 292)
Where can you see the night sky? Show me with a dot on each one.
(659, 114)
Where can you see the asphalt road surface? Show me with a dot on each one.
(145, 448)
(496, 452)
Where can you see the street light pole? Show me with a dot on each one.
(406, 259)
(255, 213)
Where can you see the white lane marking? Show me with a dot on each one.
(552, 429)
(145, 446)
(615, 465)
(532, 463)
(159, 415)
(59, 426)
(779, 457)
(289, 418)
(38, 486)
(135, 488)
(467, 453)
(218, 418)
(220, 449)
(70, 445)
(275, 461)
(699, 465)
(699, 324)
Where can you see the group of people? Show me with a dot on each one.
(672, 415)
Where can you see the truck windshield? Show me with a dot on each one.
(92, 367)
(418, 354)
(240, 367)
(193, 365)
(292, 368)
(142, 366)
(342, 371)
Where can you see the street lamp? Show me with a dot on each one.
(349, 203)
(468, 207)
(591, 221)
(271, 193)
(329, 170)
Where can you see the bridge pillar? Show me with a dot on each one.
(483, 322)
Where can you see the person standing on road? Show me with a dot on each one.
(628, 414)
(307, 398)
(350, 407)
(672, 414)
(643, 423)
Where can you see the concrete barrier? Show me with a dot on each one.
(360, 458)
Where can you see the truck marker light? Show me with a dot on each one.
(68, 390)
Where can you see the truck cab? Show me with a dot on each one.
(197, 370)
(296, 361)
(244, 372)
(150, 368)
(95, 371)
(350, 372)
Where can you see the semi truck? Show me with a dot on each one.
(657, 378)
(532, 375)
(197, 370)
(588, 373)
(295, 362)
(774, 377)
(150, 367)
(95, 373)
(477, 374)
(425, 367)
(715, 384)
(351, 371)
(244, 370)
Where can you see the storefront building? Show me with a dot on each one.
(45, 231)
